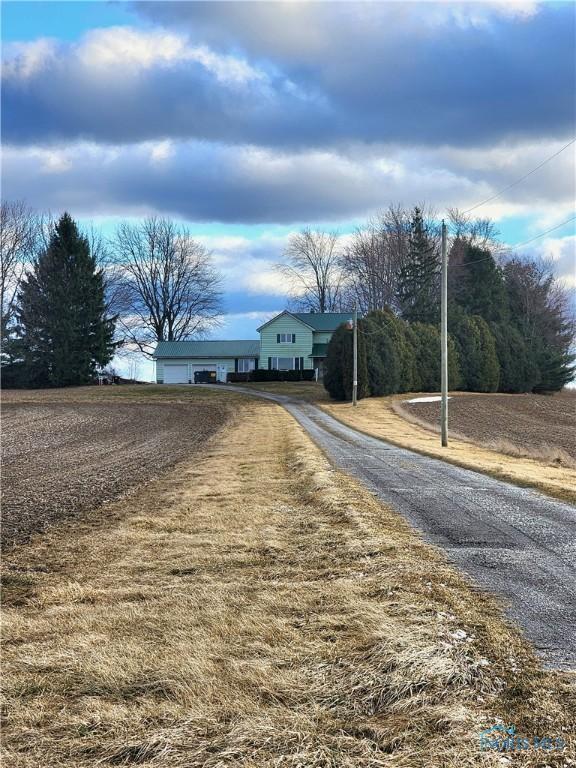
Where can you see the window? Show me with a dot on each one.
(246, 364)
(285, 338)
(282, 363)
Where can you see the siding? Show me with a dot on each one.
(322, 337)
(286, 324)
(190, 362)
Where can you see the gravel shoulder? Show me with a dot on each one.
(68, 451)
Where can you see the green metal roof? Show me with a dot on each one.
(324, 321)
(319, 350)
(235, 348)
(318, 321)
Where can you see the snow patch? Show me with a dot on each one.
(433, 399)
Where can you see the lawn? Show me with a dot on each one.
(255, 608)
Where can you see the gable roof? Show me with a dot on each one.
(284, 312)
(324, 321)
(318, 321)
(233, 348)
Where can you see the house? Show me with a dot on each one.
(289, 341)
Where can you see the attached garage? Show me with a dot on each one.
(175, 374)
(202, 368)
(178, 361)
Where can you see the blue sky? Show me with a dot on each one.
(248, 120)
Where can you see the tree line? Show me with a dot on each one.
(510, 320)
(71, 300)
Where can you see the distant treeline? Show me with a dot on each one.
(510, 328)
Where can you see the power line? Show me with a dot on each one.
(518, 245)
(514, 183)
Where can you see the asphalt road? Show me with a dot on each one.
(514, 542)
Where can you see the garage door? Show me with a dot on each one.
(202, 368)
(175, 374)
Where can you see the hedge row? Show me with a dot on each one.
(262, 374)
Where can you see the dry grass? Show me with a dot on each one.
(377, 416)
(550, 455)
(310, 391)
(256, 608)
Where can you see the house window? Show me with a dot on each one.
(286, 338)
(282, 363)
(246, 364)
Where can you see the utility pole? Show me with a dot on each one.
(355, 373)
(444, 342)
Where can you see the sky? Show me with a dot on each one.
(249, 120)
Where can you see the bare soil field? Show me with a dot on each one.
(535, 425)
(64, 451)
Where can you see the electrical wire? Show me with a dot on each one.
(545, 233)
(516, 245)
(514, 183)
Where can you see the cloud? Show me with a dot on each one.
(561, 251)
(213, 182)
(247, 264)
(303, 75)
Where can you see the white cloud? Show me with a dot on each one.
(213, 182)
(161, 150)
(22, 60)
(560, 250)
(249, 263)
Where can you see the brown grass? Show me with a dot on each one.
(310, 391)
(550, 455)
(255, 608)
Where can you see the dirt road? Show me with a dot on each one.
(512, 541)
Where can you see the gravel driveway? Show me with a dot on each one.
(60, 459)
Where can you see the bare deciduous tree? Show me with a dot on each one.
(313, 270)
(374, 257)
(542, 304)
(19, 237)
(165, 285)
(478, 232)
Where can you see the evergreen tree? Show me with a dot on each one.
(426, 343)
(338, 366)
(541, 312)
(476, 283)
(518, 369)
(62, 313)
(418, 280)
(556, 369)
(477, 352)
(390, 353)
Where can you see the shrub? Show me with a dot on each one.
(477, 351)
(390, 353)
(426, 341)
(263, 374)
(338, 372)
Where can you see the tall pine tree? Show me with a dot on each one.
(66, 334)
(476, 283)
(418, 280)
